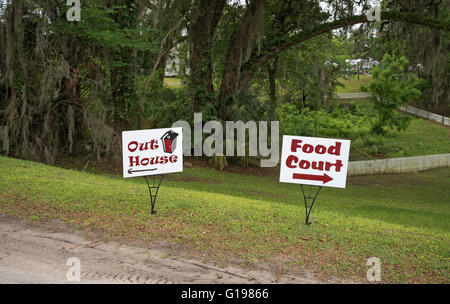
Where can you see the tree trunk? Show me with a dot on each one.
(272, 71)
(240, 45)
(123, 85)
(358, 70)
(304, 95)
(201, 35)
(326, 83)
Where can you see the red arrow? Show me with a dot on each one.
(324, 178)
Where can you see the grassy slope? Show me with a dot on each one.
(352, 84)
(422, 137)
(402, 219)
(172, 82)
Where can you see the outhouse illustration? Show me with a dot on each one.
(169, 140)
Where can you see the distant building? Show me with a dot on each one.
(361, 66)
(173, 65)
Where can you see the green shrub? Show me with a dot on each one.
(390, 88)
(168, 95)
(339, 123)
(170, 106)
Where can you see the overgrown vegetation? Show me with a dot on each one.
(429, 63)
(339, 123)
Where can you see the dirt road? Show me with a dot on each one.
(38, 253)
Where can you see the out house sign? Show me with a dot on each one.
(152, 152)
(314, 161)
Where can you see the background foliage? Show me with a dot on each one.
(72, 87)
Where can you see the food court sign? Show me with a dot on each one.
(314, 161)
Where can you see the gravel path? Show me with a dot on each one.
(38, 253)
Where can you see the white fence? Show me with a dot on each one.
(408, 109)
(358, 95)
(398, 165)
(427, 115)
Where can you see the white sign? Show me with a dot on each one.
(151, 152)
(314, 161)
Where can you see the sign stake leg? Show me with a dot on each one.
(312, 198)
(156, 182)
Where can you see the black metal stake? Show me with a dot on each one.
(308, 209)
(153, 197)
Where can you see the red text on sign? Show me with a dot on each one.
(161, 160)
(294, 162)
(134, 145)
(319, 149)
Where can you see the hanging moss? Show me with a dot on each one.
(41, 110)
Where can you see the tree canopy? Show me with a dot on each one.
(73, 86)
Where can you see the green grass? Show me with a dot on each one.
(402, 219)
(173, 82)
(422, 137)
(352, 84)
